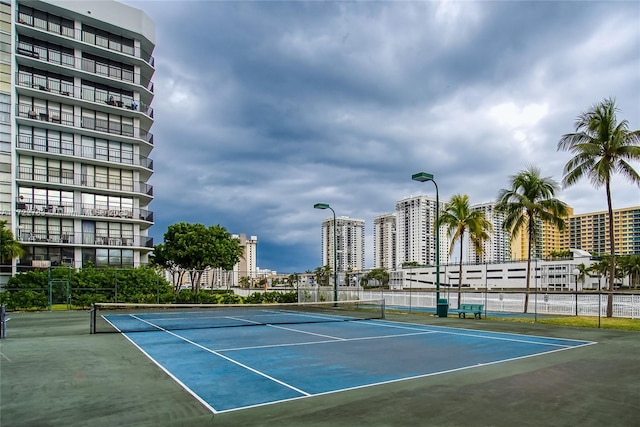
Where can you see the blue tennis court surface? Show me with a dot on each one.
(240, 367)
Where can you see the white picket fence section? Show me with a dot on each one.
(625, 305)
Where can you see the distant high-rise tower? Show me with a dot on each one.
(415, 236)
(350, 243)
(590, 231)
(247, 265)
(76, 93)
(384, 241)
(496, 249)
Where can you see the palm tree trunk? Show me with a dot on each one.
(612, 265)
(531, 236)
(460, 275)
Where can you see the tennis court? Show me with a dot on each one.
(290, 354)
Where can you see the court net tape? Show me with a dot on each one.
(127, 317)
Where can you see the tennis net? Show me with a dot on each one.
(123, 317)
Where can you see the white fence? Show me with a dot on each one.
(625, 305)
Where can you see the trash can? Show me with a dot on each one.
(443, 308)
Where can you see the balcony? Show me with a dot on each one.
(40, 144)
(28, 207)
(88, 239)
(85, 122)
(67, 89)
(95, 67)
(68, 178)
(66, 29)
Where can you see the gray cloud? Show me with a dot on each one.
(264, 108)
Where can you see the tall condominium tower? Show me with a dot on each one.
(247, 265)
(590, 232)
(415, 234)
(76, 94)
(350, 243)
(549, 239)
(384, 241)
(496, 249)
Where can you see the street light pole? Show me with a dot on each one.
(335, 249)
(423, 177)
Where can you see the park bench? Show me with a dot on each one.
(475, 309)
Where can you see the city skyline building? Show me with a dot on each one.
(384, 241)
(590, 232)
(497, 248)
(349, 243)
(77, 91)
(415, 234)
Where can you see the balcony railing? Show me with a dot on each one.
(36, 143)
(55, 27)
(83, 64)
(65, 88)
(90, 239)
(28, 207)
(108, 126)
(64, 177)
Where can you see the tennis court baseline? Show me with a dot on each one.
(231, 368)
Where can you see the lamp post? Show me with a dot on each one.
(335, 249)
(576, 273)
(423, 177)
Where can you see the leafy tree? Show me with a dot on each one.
(160, 258)
(583, 272)
(293, 280)
(245, 282)
(9, 247)
(459, 219)
(530, 198)
(630, 266)
(410, 264)
(560, 254)
(194, 247)
(379, 275)
(323, 275)
(601, 147)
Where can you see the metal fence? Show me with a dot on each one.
(625, 305)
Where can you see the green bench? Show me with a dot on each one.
(475, 309)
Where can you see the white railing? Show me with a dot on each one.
(625, 305)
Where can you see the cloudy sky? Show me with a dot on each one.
(265, 108)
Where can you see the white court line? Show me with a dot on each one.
(415, 327)
(479, 334)
(321, 342)
(231, 360)
(431, 374)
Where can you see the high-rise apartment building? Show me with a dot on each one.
(590, 232)
(549, 239)
(384, 241)
(349, 243)
(415, 235)
(247, 265)
(75, 137)
(496, 249)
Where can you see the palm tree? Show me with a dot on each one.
(601, 147)
(583, 272)
(9, 247)
(529, 200)
(459, 218)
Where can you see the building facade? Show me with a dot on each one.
(75, 150)
(497, 248)
(384, 241)
(247, 265)
(349, 243)
(415, 232)
(590, 232)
